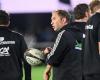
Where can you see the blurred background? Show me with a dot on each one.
(32, 18)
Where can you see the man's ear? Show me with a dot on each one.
(64, 20)
(87, 14)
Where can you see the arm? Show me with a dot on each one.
(47, 72)
(99, 47)
(61, 45)
(99, 38)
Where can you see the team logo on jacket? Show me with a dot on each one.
(78, 46)
(89, 27)
(4, 46)
(4, 51)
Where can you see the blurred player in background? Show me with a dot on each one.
(81, 14)
(92, 44)
(12, 48)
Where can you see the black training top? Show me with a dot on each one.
(12, 48)
(65, 56)
(91, 53)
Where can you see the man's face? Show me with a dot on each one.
(56, 21)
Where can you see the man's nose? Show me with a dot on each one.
(51, 22)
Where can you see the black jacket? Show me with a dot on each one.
(91, 52)
(12, 48)
(65, 56)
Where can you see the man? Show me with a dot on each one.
(92, 44)
(59, 21)
(65, 57)
(81, 14)
(12, 48)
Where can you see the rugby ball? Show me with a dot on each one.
(34, 56)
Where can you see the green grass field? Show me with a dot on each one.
(37, 72)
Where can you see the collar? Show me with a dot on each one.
(63, 28)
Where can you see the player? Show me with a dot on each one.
(12, 48)
(92, 44)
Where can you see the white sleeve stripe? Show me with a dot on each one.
(56, 44)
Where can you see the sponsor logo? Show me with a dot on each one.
(78, 46)
(89, 27)
(2, 42)
(4, 51)
(7, 42)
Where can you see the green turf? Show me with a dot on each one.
(37, 72)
